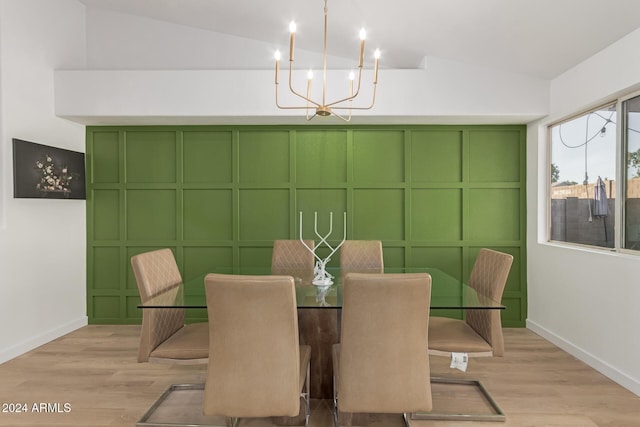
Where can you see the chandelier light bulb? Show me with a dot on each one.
(352, 76)
(310, 75)
(363, 34)
(376, 54)
(277, 55)
(292, 27)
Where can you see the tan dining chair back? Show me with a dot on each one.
(164, 335)
(257, 367)
(489, 277)
(380, 365)
(292, 258)
(361, 256)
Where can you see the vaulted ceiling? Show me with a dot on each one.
(541, 38)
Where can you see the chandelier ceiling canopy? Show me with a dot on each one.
(323, 107)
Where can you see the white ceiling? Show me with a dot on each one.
(542, 38)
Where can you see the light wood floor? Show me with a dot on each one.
(94, 372)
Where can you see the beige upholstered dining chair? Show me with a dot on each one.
(380, 365)
(292, 258)
(361, 256)
(257, 368)
(480, 334)
(164, 336)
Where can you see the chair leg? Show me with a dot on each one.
(307, 397)
(150, 420)
(404, 418)
(335, 403)
(498, 414)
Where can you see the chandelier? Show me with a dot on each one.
(323, 108)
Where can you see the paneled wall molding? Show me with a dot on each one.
(219, 195)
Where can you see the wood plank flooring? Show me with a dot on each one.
(90, 377)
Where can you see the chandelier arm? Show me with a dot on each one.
(349, 98)
(373, 101)
(277, 102)
(341, 117)
(277, 84)
(375, 85)
(286, 107)
(294, 91)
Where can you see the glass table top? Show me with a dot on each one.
(447, 292)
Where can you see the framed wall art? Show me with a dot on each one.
(45, 172)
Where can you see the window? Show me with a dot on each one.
(631, 143)
(583, 171)
(584, 165)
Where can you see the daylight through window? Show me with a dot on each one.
(583, 171)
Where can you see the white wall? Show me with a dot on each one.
(247, 96)
(586, 301)
(42, 243)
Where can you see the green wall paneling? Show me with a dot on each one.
(436, 214)
(436, 156)
(378, 214)
(378, 156)
(198, 260)
(208, 214)
(219, 195)
(264, 157)
(106, 217)
(445, 258)
(133, 313)
(151, 214)
(321, 157)
(107, 267)
(484, 165)
(150, 156)
(328, 203)
(491, 213)
(394, 256)
(105, 157)
(107, 308)
(264, 213)
(207, 157)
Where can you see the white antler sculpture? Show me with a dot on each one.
(321, 276)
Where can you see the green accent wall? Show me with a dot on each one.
(219, 195)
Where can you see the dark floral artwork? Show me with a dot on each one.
(42, 171)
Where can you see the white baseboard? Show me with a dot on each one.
(43, 338)
(630, 383)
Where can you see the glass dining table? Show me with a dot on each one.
(319, 309)
(447, 292)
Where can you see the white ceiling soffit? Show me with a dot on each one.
(541, 38)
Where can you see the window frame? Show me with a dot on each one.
(620, 165)
(622, 145)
